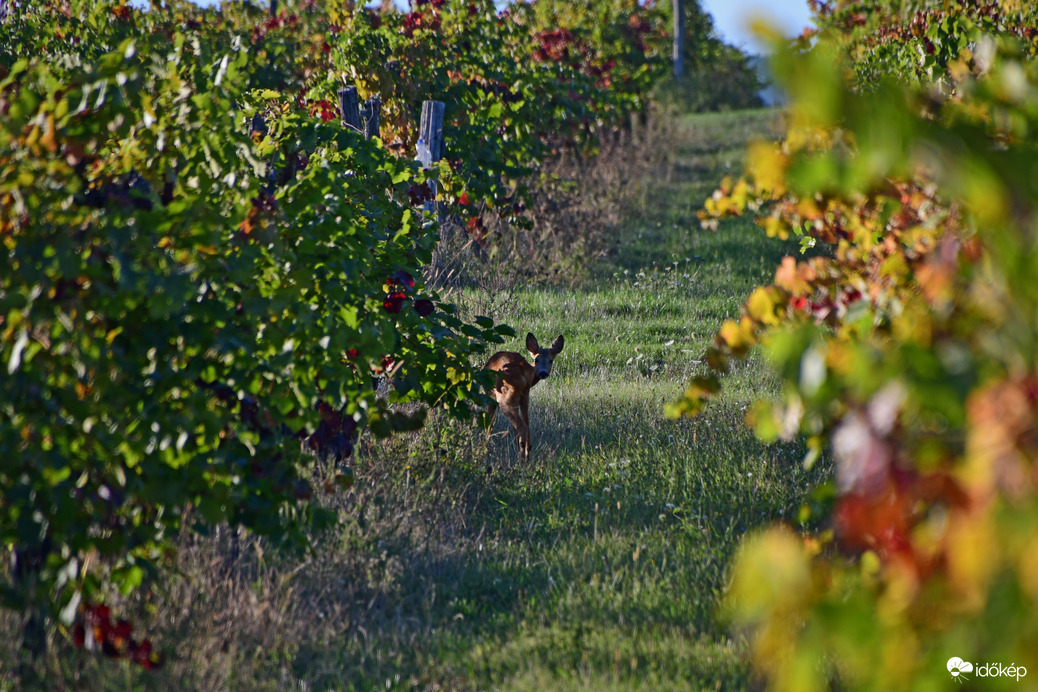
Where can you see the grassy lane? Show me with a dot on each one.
(599, 565)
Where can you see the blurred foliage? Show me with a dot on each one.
(908, 344)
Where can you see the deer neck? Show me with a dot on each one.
(529, 372)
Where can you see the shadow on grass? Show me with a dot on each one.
(617, 536)
(632, 534)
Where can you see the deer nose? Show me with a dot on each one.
(542, 374)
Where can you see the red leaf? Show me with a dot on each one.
(79, 635)
(393, 302)
(402, 277)
(123, 629)
(424, 307)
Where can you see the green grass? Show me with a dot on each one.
(600, 565)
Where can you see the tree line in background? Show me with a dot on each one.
(907, 341)
(203, 270)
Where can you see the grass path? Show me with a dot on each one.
(600, 565)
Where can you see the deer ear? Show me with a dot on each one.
(556, 346)
(531, 344)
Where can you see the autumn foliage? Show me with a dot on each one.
(520, 84)
(907, 342)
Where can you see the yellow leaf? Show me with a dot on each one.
(894, 265)
(768, 164)
(764, 305)
(809, 209)
(738, 336)
(48, 139)
(775, 227)
(973, 558)
(33, 136)
(766, 30)
(771, 573)
(695, 398)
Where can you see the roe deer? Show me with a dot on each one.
(515, 378)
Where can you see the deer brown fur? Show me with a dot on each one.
(515, 378)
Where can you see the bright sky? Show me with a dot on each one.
(732, 18)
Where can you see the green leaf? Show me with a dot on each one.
(128, 578)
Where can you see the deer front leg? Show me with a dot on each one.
(524, 410)
(488, 422)
(522, 432)
(524, 440)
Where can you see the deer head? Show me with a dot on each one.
(543, 358)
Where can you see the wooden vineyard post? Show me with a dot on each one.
(364, 119)
(349, 107)
(430, 149)
(370, 116)
(257, 125)
(679, 38)
(430, 131)
(430, 141)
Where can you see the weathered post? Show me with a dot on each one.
(349, 107)
(273, 8)
(679, 38)
(430, 140)
(370, 116)
(430, 132)
(429, 150)
(257, 124)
